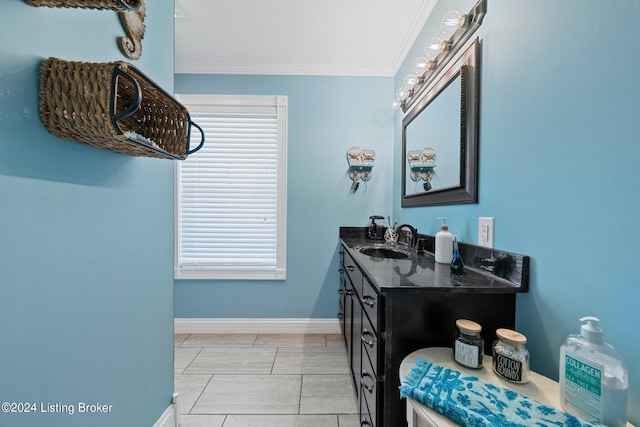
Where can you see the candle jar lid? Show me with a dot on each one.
(511, 337)
(468, 327)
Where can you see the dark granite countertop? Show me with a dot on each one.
(421, 273)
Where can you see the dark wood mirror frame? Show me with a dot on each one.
(467, 67)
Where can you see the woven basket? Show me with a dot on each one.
(113, 106)
(117, 5)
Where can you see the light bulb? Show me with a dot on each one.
(449, 23)
(420, 65)
(401, 94)
(395, 104)
(410, 81)
(432, 49)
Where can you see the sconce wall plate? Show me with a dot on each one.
(131, 13)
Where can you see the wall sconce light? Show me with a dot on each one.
(360, 166)
(422, 163)
(456, 29)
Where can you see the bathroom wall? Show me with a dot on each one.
(86, 278)
(558, 166)
(327, 115)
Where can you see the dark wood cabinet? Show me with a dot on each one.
(382, 325)
(351, 279)
(360, 336)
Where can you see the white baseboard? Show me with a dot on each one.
(171, 416)
(255, 326)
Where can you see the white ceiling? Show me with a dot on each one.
(307, 37)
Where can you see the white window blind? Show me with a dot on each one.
(231, 195)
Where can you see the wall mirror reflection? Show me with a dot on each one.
(440, 138)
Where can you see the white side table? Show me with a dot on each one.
(539, 388)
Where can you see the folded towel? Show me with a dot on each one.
(470, 401)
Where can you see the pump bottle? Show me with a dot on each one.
(593, 377)
(444, 243)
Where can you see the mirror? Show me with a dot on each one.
(440, 138)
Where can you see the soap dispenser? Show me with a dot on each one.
(593, 377)
(444, 243)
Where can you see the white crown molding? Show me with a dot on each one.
(255, 326)
(285, 69)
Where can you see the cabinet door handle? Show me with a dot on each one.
(369, 387)
(364, 422)
(363, 338)
(341, 270)
(350, 268)
(340, 316)
(341, 291)
(369, 300)
(349, 292)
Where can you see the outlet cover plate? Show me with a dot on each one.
(486, 229)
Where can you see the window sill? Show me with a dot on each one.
(202, 274)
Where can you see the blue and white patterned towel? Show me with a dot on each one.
(472, 402)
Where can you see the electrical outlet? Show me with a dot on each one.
(486, 226)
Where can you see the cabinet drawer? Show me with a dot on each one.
(353, 272)
(365, 419)
(342, 295)
(370, 342)
(369, 392)
(370, 303)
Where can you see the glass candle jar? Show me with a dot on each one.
(510, 356)
(468, 346)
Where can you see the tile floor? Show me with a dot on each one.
(245, 380)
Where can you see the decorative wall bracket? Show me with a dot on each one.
(360, 165)
(131, 13)
(133, 24)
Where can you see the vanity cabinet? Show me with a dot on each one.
(383, 324)
(350, 280)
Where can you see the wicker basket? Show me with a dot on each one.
(114, 106)
(117, 5)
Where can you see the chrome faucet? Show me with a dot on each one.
(407, 234)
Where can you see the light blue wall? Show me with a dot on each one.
(558, 160)
(86, 288)
(327, 115)
(559, 151)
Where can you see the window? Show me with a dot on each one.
(231, 195)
